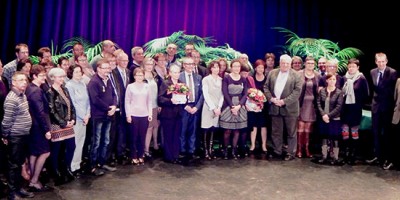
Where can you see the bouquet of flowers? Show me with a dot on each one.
(255, 100)
(179, 91)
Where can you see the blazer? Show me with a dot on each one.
(199, 99)
(396, 113)
(121, 88)
(39, 108)
(382, 100)
(290, 94)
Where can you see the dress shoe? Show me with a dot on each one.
(372, 161)
(387, 165)
(288, 157)
(109, 168)
(25, 194)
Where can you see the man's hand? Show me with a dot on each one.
(112, 110)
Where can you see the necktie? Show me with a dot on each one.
(379, 78)
(124, 78)
(191, 89)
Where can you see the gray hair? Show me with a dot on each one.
(286, 58)
(56, 72)
(174, 66)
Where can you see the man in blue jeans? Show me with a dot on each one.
(103, 105)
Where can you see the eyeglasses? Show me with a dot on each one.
(105, 67)
(189, 64)
(20, 80)
(41, 75)
(82, 60)
(139, 75)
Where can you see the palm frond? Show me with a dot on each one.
(296, 46)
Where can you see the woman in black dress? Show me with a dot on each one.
(40, 132)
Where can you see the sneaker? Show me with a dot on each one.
(97, 172)
(109, 168)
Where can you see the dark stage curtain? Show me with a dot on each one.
(244, 24)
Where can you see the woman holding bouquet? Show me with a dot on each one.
(212, 92)
(170, 116)
(258, 117)
(234, 115)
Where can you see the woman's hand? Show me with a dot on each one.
(129, 120)
(48, 135)
(325, 118)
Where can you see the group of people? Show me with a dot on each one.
(99, 113)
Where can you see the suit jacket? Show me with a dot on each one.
(382, 100)
(290, 94)
(396, 113)
(199, 99)
(39, 108)
(202, 71)
(121, 88)
(169, 110)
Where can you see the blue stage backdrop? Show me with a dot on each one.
(244, 24)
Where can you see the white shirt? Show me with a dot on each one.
(280, 83)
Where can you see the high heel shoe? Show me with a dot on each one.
(141, 161)
(135, 161)
(298, 154)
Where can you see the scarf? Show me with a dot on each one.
(348, 87)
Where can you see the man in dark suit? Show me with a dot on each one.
(384, 81)
(192, 108)
(282, 89)
(121, 79)
(198, 66)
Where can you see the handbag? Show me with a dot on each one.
(60, 134)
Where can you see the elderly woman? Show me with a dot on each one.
(80, 99)
(170, 116)
(40, 132)
(62, 117)
(297, 63)
(356, 94)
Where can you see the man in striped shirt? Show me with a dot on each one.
(16, 125)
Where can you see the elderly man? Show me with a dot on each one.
(282, 89)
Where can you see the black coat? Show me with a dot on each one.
(58, 107)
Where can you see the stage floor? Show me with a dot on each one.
(230, 179)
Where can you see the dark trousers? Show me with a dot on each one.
(17, 152)
(189, 132)
(111, 149)
(172, 130)
(62, 151)
(279, 124)
(138, 132)
(383, 144)
(122, 127)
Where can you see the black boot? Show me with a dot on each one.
(210, 147)
(59, 179)
(234, 153)
(69, 175)
(226, 153)
(206, 152)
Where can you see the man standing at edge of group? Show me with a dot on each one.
(384, 81)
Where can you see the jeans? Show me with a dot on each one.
(100, 141)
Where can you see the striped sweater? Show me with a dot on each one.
(17, 120)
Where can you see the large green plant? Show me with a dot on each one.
(91, 50)
(297, 46)
(203, 45)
